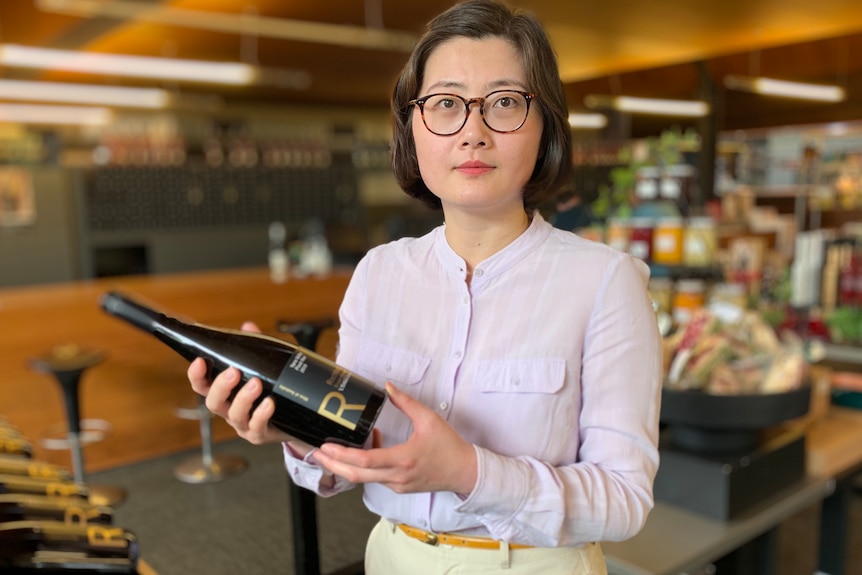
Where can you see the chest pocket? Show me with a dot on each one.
(381, 363)
(540, 375)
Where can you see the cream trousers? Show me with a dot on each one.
(391, 552)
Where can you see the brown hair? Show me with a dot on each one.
(483, 19)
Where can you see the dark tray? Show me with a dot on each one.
(708, 423)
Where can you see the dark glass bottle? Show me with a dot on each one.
(15, 465)
(12, 445)
(72, 510)
(315, 400)
(38, 486)
(54, 546)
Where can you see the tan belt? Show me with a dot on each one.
(455, 539)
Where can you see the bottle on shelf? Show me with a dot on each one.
(15, 465)
(73, 510)
(15, 445)
(315, 399)
(48, 546)
(38, 486)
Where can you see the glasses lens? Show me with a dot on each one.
(444, 113)
(505, 111)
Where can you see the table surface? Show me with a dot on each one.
(675, 540)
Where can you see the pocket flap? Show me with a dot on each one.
(537, 375)
(387, 363)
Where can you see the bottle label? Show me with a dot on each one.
(311, 381)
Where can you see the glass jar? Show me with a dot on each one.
(690, 294)
(700, 242)
(667, 241)
(640, 238)
(618, 233)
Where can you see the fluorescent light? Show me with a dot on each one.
(654, 106)
(65, 115)
(13, 55)
(785, 89)
(241, 24)
(83, 94)
(594, 121)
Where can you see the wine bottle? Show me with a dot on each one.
(53, 545)
(15, 465)
(315, 399)
(37, 486)
(73, 510)
(11, 445)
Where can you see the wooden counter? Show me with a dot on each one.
(141, 381)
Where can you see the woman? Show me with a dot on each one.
(521, 361)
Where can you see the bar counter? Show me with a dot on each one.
(141, 381)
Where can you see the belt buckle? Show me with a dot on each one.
(431, 538)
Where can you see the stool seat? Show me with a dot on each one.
(67, 358)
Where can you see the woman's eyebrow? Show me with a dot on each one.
(490, 87)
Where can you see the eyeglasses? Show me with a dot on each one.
(503, 111)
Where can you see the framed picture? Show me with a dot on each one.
(17, 200)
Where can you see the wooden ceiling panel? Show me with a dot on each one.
(636, 47)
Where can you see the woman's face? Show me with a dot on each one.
(477, 169)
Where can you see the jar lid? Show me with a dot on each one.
(642, 222)
(701, 221)
(690, 285)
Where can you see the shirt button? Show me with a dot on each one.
(466, 299)
(388, 367)
(458, 353)
(443, 406)
(516, 381)
(423, 523)
(478, 273)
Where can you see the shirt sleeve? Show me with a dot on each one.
(607, 494)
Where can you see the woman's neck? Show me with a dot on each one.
(476, 238)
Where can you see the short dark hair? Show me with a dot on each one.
(480, 19)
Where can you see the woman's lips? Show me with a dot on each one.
(474, 168)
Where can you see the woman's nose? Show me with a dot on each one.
(475, 130)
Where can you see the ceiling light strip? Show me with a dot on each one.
(785, 89)
(13, 55)
(84, 94)
(241, 24)
(587, 121)
(651, 106)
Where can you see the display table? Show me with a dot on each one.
(675, 540)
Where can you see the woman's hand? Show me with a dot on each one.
(252, 424)
(434, 458)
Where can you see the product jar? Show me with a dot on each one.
(700, 242)
(689, 296)
(641, 238)
(618, 233)
(667, 241)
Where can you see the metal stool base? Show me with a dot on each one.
(56, 437)
(196, 470)
(107, 495)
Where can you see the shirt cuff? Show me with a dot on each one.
(307, 473)
(501, 488)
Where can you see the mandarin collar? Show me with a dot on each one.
(522, 247)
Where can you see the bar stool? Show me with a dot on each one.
(206, 467)
(67, 363)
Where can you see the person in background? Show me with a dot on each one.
(522, 362)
